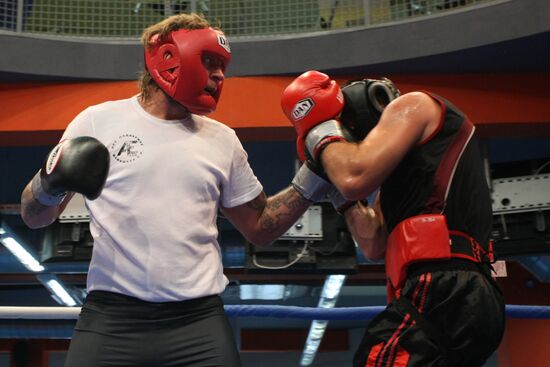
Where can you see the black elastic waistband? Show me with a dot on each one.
(452, 264)
(117, 304)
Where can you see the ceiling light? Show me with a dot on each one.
(23, 255)
(329, 296)
(56, 288)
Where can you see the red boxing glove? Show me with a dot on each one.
(310, 100)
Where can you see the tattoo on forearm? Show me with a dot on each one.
(259, 203)
(30, 206)
(280, 208)
(33, 208)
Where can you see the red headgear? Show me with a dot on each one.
(176, 65)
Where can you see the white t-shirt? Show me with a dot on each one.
(154, 224)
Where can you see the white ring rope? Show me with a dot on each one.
(58, 313)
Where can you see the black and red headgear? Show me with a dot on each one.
(365, 100)
(175, 64)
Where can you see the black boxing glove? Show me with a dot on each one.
(77, 165)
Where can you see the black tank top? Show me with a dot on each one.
(410, 188)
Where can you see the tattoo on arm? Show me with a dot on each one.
(34, 211)
(279, 210)
(258, 203)
(34, 208)
(29, 204)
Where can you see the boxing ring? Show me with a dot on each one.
(36, 322)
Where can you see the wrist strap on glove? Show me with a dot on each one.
(310, 185)
(340, 203)
(41, 196)
(321, 135)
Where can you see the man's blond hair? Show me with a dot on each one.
(162, 29)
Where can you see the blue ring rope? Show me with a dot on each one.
(37, 327)
(356, 313)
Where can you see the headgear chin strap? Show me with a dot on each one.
(176, 64)
(365, 100)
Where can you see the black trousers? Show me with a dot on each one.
(117, 330)
(449, 315)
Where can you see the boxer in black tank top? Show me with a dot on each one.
(430, 221)
(450, 313)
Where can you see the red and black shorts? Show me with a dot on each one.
(449, 315)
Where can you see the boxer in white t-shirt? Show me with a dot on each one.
(155, 172)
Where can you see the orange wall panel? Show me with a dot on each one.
(51, 106)
(525, 343)
(500, 104)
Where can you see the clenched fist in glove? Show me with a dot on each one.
(77, 165)
(312, 102)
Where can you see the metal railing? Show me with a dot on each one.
(238, 18)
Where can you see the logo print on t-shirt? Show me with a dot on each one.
(127, 148)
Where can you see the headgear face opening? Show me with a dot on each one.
(176, 65)
(365, 101)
